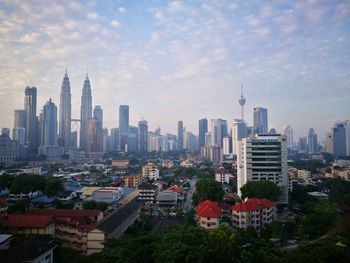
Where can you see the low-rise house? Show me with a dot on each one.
(319, 195)
(29, 224)
(208, 214)
(133, 180)
(150, 171)
(147, 193)
(304, 175)
(72, 225)
(166, 199)
(167, 164)
(108, 194)
(222, 176)
(254, 212)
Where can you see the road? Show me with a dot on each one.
(188, 203)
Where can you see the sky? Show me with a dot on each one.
(182, 60)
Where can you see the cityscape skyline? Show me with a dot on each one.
(184, 54)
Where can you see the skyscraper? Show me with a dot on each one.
(20, 119)
(98, 113)
(85, 113)
(218, 131)
(32, 125)
(339, 139)
(329, 143)
(312, 141)
(49, 124)
(65, 114)
(180, 135)
(123, 127)
(264, 157)
(133, 139)
(202, 128)
(143, 131)
(288, 131)
(95, 138)
(260, 120)
(238, 132)
(114, 145)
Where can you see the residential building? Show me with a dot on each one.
(150, 171)
(226, 146)
(264, 157)
(29, 224)
(238, 132)
(65, 117)
(133, 180)
(167, 199)
(288, 131)
(260, 120)
(304, 175)
(208, 214)
(147, 193)
(222, 176)
(253, 213)
(212, 153)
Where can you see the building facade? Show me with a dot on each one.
(85, 113)
(65, 114)
(260, 120)
(123, 127)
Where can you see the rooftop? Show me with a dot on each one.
(253, 204)
(209, 209)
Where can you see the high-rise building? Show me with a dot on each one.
(32, 125)
(226, 146)
(98, 113)
(74, 139)
(264, 157)
(207, 138)
(18, 134)
(329, 143)
(85, 113)
(238, 132)
(218, 131)
(190, 141)
(203, 129)
(95, 138)
(288, 131)
(303, 147)
(312, 141)
(106, 140)
(48, 121)
(20, 119)
(123, 127)
(114, 144)
(339, 139)
(65, 114)
(143, 131)
(133, 139)
(180, 135)
(260, 120)
(5, 131)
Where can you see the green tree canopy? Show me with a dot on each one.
(28, 183)
(89, 204)
(208, 189)
(6, 180)
(53, 187)
(261, 189)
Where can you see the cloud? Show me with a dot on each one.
(92, 16)
(122, 9)
(175, 6)
(115, 23)
(29, 38)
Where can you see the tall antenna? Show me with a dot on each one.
(242, 101)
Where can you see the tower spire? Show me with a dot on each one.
(242, 101)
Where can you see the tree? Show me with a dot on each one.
(19, 206)
(53, 187)
(101, 206)
(208, 189)
(28, 183)
(89, 204)
(261, 189)
(6, 180)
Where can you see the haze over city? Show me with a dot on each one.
(182, 60)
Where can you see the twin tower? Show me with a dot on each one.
(65, 113)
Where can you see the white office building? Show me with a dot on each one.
(264, 157)
(238, 132)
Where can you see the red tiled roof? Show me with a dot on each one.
(27, 221)
(64, 212)
(209, 209)
(253, 204)
(176, 189)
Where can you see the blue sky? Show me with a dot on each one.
(182, 60)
